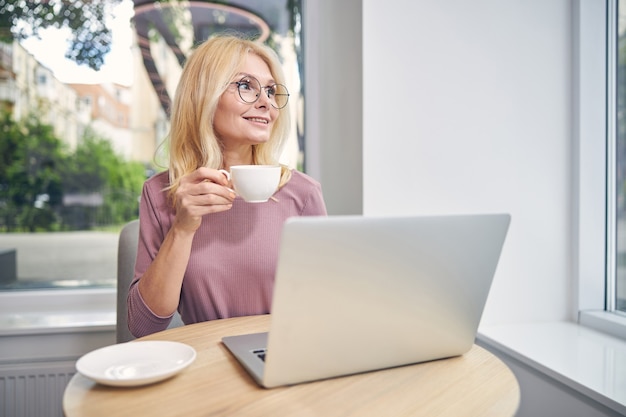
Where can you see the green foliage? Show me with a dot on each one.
(37, 174)
(30, 184)
(91, 39)
(95, 166)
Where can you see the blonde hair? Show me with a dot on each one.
(207, 73)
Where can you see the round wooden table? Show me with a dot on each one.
(475, 384)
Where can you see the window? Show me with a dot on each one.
(616, 292)
(601, 161)
(60, 209)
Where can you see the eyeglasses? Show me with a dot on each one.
(250, 90)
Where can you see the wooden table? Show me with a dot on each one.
(475, 384)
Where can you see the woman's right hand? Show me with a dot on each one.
(201, 192)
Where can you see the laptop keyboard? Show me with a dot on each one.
(260, 353)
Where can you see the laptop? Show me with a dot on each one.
(355, 294)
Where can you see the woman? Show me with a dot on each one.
(203, 250)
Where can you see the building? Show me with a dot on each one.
(28, 86)
(109, 113)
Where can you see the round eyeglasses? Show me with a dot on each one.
(249, 89)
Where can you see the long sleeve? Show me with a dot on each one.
(234, 253)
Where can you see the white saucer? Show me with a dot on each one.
(136, 363)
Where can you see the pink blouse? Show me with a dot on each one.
(233, 256)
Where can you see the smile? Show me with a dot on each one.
(256, 119)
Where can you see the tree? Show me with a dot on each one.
(37, 173)
(95, 168)
(91, 39)
(30, 185)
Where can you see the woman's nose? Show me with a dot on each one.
(263, 100)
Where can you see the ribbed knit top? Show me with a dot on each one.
(233, 257)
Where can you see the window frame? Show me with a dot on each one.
(594, 79)
(36, 311)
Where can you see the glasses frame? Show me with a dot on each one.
(261, 88)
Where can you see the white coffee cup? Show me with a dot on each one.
(254, 183)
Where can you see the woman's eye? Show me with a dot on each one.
(271, 91)
(244, 85)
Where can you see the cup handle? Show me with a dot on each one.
(226, 173)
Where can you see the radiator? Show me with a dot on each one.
(34, 389)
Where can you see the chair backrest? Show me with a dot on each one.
(126, 256)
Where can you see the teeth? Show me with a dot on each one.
(254, 119)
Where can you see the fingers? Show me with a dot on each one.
(198, 203)
(202, 192)
(206, 174)
(206, 181)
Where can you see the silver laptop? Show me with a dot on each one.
(356, 294)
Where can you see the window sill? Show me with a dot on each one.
(588, 361)
(605, 322)
(57, 311)
(57, 325)
(47, 323)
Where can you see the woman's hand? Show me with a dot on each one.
(201, 192)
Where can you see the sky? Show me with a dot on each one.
(117, 68)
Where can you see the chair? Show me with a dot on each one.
(126, 255)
